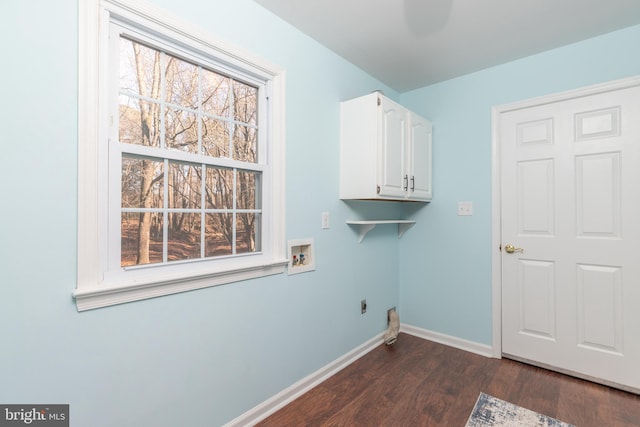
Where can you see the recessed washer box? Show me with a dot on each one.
(301, 256)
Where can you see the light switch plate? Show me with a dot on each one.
(325, 220)
(465, 208)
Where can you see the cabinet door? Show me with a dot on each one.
(391, 150)
(419, 158)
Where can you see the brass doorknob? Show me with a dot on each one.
(511, 249)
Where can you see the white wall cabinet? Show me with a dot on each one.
(385, 151)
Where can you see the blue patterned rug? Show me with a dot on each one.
(493, 412)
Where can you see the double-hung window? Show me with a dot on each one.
(181, 159)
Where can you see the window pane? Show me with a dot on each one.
(215, 137)
(165, 102)
(181, 80)
(142, 183)
(181, 130)
(218, 234)
(247, 232)
(248, 190)
(139, 69)
(185, 185)
(141, 238)
(184, 236)
(246, 106)
(215, 94)
(244, 144)
(139, 122)
(219, 188)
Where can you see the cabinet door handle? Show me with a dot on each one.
(406, 182)
(413, 182)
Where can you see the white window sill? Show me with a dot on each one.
(97, 297)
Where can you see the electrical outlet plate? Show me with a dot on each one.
(465, 208)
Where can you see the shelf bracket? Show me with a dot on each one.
(404, 226)
(363, 230)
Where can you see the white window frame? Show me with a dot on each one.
(96, 286)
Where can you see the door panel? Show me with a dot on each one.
(600, 308)
(535, 197)
(598, 195)
(419, 156)
(569, 175)
(393, 136)
(536, 282)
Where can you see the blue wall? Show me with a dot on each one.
(445, 262)
(205, 357)
(197, 358)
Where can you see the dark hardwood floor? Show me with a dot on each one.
(421, 383)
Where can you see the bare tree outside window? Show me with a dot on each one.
(177, 120)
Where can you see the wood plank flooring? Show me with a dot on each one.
(421, 383)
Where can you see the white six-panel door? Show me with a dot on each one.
(570, 200)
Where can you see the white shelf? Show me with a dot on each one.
(365, 226)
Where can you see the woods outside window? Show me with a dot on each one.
(187, 144)
(189, 148)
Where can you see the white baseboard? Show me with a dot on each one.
(286, 396)
(470, 346)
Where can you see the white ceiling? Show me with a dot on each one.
(408, 44)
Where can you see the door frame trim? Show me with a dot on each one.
(496, 184)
